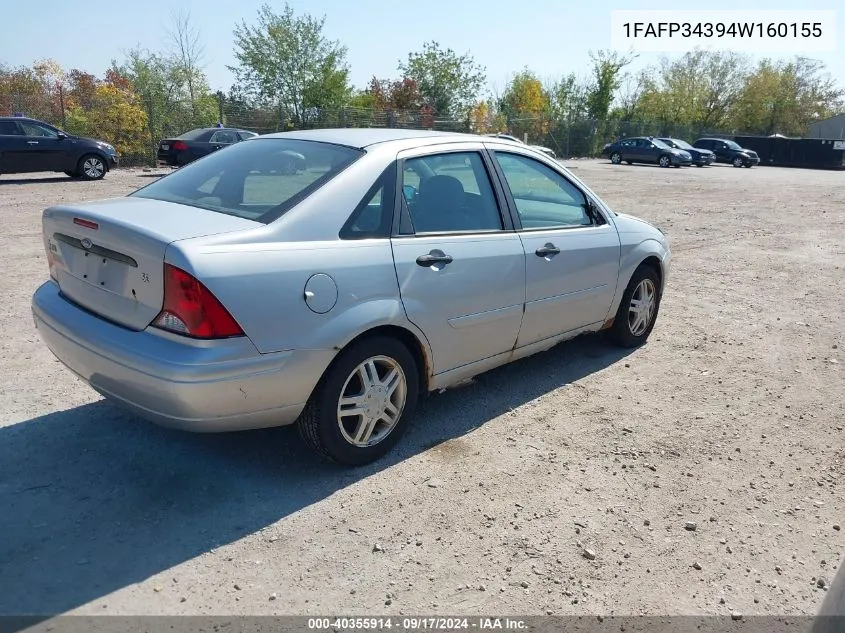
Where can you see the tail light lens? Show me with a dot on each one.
(191, 310)
(180, 146)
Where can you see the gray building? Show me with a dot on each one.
(832, 128)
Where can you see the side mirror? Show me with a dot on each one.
(410, 192)
(61, 136)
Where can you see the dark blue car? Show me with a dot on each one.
(700, 156)
(646, 149)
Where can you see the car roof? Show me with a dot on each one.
(364, 137)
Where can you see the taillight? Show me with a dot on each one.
(191, 310)
(179, 146)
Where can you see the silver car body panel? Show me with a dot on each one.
(496, 302)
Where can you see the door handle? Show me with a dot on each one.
(434, 257)
(32, 142)
(547, 249)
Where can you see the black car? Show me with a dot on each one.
(28, 145)
(700, 157)
(642, 149)
(188, 147)
(728, 151)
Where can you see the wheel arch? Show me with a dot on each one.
(648, 253)
(415, 342)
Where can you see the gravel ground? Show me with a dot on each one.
(696, 475)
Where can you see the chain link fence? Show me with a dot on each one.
(568, 138)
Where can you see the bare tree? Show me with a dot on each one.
(188, 53)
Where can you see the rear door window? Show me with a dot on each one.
(450, 192)
(9, 128)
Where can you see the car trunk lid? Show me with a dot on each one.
(108, 256)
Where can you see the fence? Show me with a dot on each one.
(568, 138)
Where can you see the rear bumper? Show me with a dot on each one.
(201, 386)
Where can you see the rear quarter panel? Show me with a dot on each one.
(263, 286)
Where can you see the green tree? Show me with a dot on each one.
(785, 97)
(567, 98)
(448, 82)
(699, 89)
(607, 78)
(286, 60)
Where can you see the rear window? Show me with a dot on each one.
(259, 179)
(192, 134)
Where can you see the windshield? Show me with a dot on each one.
(732, 144)
(258, 179)
(659, 143)
(681, 144)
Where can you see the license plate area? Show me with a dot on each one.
(98, 266)
(165, 147)
(102, 272)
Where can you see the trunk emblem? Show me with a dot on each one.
(86, 243)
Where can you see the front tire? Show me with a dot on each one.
(737, 162)
(616, 158)
(92, 167)
(665, 161)
(638, 309)
(362, 405)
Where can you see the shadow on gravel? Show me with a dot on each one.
(39, 181)
(94, 500)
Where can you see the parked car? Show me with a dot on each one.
(28, 145)
(548, 151)
(641, 149)
(700, 157)
(728, 151)
(188, 147)
(230, 295)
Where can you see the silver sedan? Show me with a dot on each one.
(233, 294)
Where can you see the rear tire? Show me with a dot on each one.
(92, 167)
(638, 309)
(376, 376)
(71, 174)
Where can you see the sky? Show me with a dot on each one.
(551, 37)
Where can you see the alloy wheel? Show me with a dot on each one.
(371, 401)
(93, 168)
(641, 307)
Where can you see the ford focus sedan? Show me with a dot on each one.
(233, 294)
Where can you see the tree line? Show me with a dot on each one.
(288, 75)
